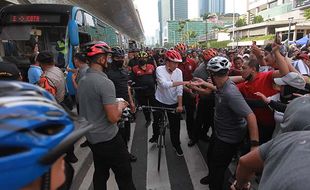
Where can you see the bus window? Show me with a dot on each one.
(79, 18)
(89, 20)
(20, 42)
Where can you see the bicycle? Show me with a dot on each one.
(163, 124)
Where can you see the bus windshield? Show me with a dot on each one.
(19, 42)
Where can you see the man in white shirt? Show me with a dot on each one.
(169, 95)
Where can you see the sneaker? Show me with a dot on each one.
(153, 139)
(178, 150)
(205, 180)
(191, 143)
(147, 124)
(132, 158)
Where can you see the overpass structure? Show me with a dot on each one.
(120, 14)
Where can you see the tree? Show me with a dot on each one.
(258, 19)
(307, 13)
(240, 22)
(189, 35)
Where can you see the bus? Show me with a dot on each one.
(24, 29)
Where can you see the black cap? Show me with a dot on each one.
(9, 71)
(45, 57)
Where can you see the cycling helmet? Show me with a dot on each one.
(209, 53)
(162, 51)
(174, 56)
(118, 52)
(218, 63)
(95, 48)
(180, 47)
(142, 54)
(34, 132)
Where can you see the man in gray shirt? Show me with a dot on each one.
(98, 105)
(283, 160)
(232, 117)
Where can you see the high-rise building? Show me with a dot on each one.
(180, 9)
(170, 10)
(212, 6)
(164, 14)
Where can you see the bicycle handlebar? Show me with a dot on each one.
(159, 108)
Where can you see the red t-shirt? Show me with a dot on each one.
(187, 68)
(262, 83)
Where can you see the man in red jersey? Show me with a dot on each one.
(262, 82)
(187, 67)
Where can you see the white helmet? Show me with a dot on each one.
(218, 63)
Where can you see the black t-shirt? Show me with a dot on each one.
(119, 77)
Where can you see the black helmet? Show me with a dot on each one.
(118, 52)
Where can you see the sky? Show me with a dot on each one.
(149, 12)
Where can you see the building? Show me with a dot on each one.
(170, 10)
(278, 15)
(164, 14)
(185, 31)
(211, 6)
(179, 9)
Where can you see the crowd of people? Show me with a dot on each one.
(254, 101)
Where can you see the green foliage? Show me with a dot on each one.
(215, 44)
(240, 22)
(258, 19)
(307, 13)
(256, 38)
(207, 16)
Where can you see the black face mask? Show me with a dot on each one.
(249, 77)
(69, 173)
(142, 62)
(118, 64)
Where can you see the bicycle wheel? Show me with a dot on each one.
(160, 145)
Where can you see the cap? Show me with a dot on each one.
(9, 71)
(45, 57)
(294, 116)
(292, 79)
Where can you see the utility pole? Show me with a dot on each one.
(289, 28)
(233, 34)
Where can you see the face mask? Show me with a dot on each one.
(142, 62)
(118, 64)
(249, 77)
(109, 60)
(69, 173)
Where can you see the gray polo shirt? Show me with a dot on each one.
(230, 112)
(96, 90)
(286, 162)
(201, 72)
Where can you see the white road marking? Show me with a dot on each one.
(196, 165)
(156, 180)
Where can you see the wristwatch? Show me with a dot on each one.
(254, 143)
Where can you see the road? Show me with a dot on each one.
(177, 173)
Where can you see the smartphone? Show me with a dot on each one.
(278, 38)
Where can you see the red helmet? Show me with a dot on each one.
(174, 56)
(99, 48)
(181, 48)
(209, 54)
